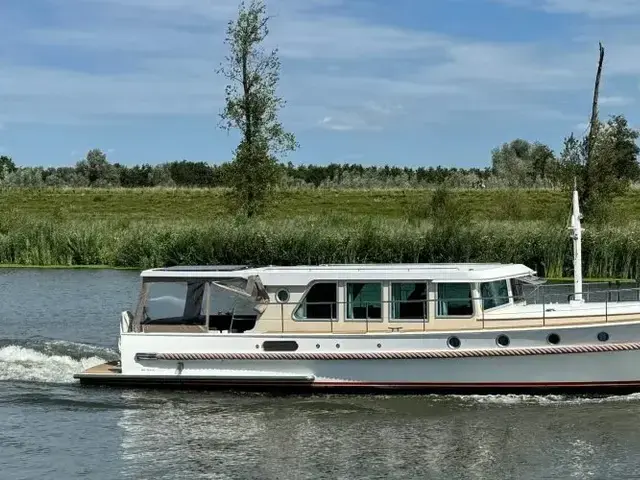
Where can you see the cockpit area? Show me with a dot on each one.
(199, 305)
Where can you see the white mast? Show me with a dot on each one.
(576, 235)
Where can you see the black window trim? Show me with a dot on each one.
(509, 293)
(304, 298)
(437, 299)
(346, 302)
(391, 301)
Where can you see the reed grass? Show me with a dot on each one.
(141, 228)
(608, 251)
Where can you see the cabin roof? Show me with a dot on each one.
(303, 275)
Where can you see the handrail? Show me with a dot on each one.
(392, 311)
(387, 307)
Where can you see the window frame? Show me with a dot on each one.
(346, 301)
(303, 299)
(483, 298)
(392, 302)
(471, 300)
(151, 297)
(518, 297)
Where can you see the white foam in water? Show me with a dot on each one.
(547, 399)
(25, 364)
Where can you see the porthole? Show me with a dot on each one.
(553, 339)
(337, 345)
(317, 345)
(379, 345)
(603, 336)
(454, 342)
(283, 295)
(503, 340)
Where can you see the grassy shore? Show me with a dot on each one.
(141, 228)
(609, 252)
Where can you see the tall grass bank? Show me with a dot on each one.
(608, 251)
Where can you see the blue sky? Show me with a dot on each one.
(408, 82)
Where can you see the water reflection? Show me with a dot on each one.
(251, 436)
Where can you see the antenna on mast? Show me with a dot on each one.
(576, 235)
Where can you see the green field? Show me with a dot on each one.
(204, 204)
(172, 204)
(154, 227)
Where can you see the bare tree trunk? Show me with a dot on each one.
(593, 131)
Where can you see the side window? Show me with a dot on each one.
(454, 299)
(364, 301)
(166, 300)
(175, 303)
(517, 289)
(494, 294)
(408, 301)
(320, 303)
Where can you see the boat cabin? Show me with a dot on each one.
(326, 298)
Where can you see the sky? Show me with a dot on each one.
(402, 82)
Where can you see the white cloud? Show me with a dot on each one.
(330, 124)
(347, 121)
(615, 101)
(158, 57)
(591, 8)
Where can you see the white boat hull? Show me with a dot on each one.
(406, 362)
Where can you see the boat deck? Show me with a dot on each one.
(110, 374)
(108, 368)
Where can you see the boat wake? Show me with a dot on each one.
(48, 361)
(552, 400)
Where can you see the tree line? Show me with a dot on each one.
(96, 171)
(516, 164)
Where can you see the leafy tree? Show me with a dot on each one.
(624, 149)
(612, 166)
(522, 164)
(191, 174)
(97, 169)
(511, 162)
(25, 177)
(543, 162)
(161, 176)
(252, 107)
(572, 161)
(136, 176)
(6, 166)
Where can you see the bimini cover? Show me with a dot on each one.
(251, 289)
(532, 280)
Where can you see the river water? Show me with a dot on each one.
(54, 323)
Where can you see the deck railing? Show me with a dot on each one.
(548, 298)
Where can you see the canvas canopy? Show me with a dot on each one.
(249, 289)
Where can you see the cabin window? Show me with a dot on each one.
(174, 302)
(364, 301)
(454, 300)
(494, 294)
(517, 290)
(408, 301)
(320, 303)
